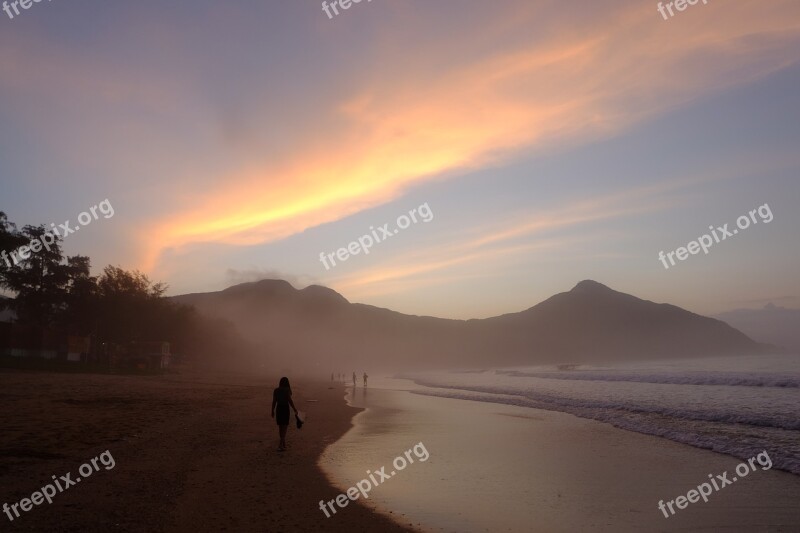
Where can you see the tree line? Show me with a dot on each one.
(55, 291)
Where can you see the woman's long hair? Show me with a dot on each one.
(284, 382)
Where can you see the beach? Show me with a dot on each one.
(199, 453)
(191, 453)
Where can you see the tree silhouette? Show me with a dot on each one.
(119, 307)
(40, 282)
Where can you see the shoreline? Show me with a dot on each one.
(537, 470)
(193, 452)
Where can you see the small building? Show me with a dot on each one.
(78, 348)
(150, 355)
(27, 341)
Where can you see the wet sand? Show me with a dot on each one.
(192, 453)
(495, 467)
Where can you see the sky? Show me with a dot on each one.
(549, 141)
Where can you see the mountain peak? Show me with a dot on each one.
(275, 286)
(591, 286)
(322, 292)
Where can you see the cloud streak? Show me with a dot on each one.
(395, 132)
(539, 77)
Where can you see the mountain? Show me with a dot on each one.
(773, 324)
(318, 328)
(593, 321)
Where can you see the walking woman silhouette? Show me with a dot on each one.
(282, 399)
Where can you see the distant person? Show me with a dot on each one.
(282, 398)
(331, 376)
(365, 379)
(354, 379)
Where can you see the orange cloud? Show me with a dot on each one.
(397, 130)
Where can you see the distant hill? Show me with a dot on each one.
(317, 327)
(773, 324)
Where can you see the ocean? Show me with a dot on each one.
(734, 405)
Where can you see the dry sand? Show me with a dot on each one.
(192, 453)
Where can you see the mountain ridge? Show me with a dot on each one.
(589, 323)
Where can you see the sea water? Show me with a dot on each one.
(734, 405)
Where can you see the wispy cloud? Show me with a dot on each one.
(396, 131)
(526, 233)
(533, 76)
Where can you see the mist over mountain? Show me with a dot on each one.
(772, 324)
(316, 328)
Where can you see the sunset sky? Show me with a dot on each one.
(553, 141)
